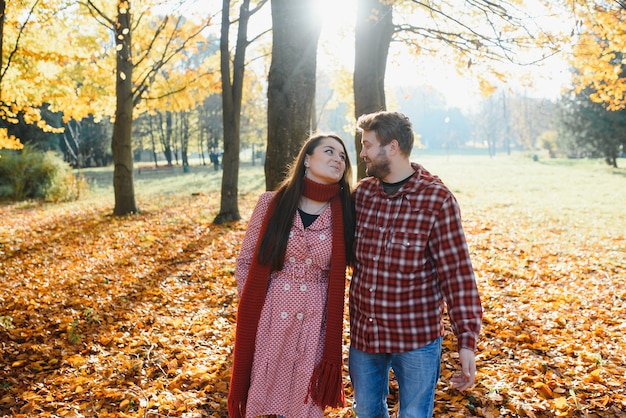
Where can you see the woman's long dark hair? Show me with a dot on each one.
(274, 242)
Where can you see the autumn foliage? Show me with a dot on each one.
(134, 316)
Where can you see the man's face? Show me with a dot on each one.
(374, 155)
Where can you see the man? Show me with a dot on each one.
(411, 260)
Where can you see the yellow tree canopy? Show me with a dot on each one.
(174, 67)
(9, 141)
(29, 61)
(599, 52)
(72, 67)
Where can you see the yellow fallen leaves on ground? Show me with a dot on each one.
(134, 316)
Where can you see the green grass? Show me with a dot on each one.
(581, 191)
(564, 208)
(588, 193)
(167, 181)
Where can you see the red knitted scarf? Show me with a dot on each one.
(325, 387)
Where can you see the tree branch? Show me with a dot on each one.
(486, 40)
(100, 16)
(166, 56)
(17, 41)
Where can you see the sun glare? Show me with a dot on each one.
(336, 11)
(336, 48)
(337, 38)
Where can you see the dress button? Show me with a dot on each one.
(299, 315)
(371, 320)
(407, 243)
(371, 289)
(303, 288)
(292, 259)
(322, 237)
(287, 286)
(283, 315)
(308, 261)
(375, 258)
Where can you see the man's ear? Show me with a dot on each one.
(394, 146)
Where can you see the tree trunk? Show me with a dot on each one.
(291, 84)
(184, 138)
(155, 157)
(231, 110)
(169, 152)
(374, 29)
(122, 128)
(232, 96)
(3, 6)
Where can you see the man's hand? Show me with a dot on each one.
(465, 378)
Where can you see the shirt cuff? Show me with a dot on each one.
(468, 341)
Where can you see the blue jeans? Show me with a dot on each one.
(417, 373)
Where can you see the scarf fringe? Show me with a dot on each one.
(236, 409)
(326, 386)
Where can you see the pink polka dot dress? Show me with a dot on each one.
(290, 335)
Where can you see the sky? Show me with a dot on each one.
(336, 46)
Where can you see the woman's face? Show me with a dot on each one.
(327, 163)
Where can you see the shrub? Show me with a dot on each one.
(32, 174)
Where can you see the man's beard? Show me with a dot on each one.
(379, 167)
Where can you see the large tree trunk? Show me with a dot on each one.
(374, 29)
(231, 108)
(122, 128)
(291, 84)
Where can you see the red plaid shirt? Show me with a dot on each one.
(411, 256)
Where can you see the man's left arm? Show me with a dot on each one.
(465, 378)
(458, 285)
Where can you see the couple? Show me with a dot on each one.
(405, 242)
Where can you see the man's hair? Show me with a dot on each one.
(389, 126)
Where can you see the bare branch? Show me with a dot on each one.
(157, 32)
(4, 70)
(179, 90)
(258, 36)
(167, 55)
(487, 40)
(258, 7)
(99, 15)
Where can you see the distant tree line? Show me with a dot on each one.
(503, 123)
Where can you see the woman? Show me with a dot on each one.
(290, 276)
